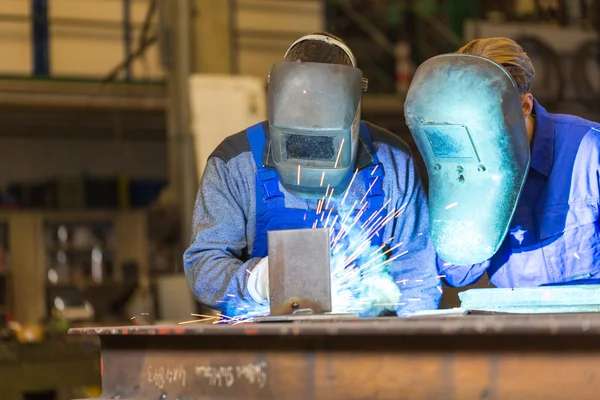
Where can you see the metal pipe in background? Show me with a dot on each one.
(40, 36)
(127, 36)
(176, 25)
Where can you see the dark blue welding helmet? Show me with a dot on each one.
(314, 120)
(465, 114)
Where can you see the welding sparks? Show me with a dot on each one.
(298, 174)
(377, 213)
(387, 261)
(333, 224)
(203, 318)
(452, 205)
(322, 178)
(337, 159)
(369, 190)
(327, 220)
(360, 278)
(195, 321)
(250, 272)
(380, 249)
(348, 189)
(221, 318)
(393, 248)
(360, 266)
(329, 200)
(320, 205)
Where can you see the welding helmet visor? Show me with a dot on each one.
(465, 114)
(314, 119)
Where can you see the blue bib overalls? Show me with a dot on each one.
(271, 213)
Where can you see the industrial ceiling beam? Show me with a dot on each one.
(81, 94)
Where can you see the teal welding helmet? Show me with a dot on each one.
(314, 119)
(465, 114)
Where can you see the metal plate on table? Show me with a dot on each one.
(299, 271)
(534, 300)
(326, 317)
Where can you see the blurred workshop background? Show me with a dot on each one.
(109, 108)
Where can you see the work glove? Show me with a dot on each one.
(382, 294)
(258, 282)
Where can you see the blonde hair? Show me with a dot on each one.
(507, 53)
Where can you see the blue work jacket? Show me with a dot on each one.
(554, 236)
(224, 243)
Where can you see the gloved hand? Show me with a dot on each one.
(383, 294)
(258, 281)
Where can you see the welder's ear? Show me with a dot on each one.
(527, 104)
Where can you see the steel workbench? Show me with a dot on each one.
(458, 357)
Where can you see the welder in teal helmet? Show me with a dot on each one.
(314, 163)
(514, 190)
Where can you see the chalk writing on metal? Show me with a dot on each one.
(160, 376)
(227, 376)
(217, 376)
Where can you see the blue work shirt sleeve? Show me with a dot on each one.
(461, 275)
(414, 269)
(213, 262)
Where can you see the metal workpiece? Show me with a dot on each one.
(299, 271)
(459, 357)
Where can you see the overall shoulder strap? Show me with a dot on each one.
(365, 135)
(268, 195)
(257, 139)
(373, 175)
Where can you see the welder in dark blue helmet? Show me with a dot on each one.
(314, 163)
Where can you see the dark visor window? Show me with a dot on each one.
(450, 141)
(309, 147)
